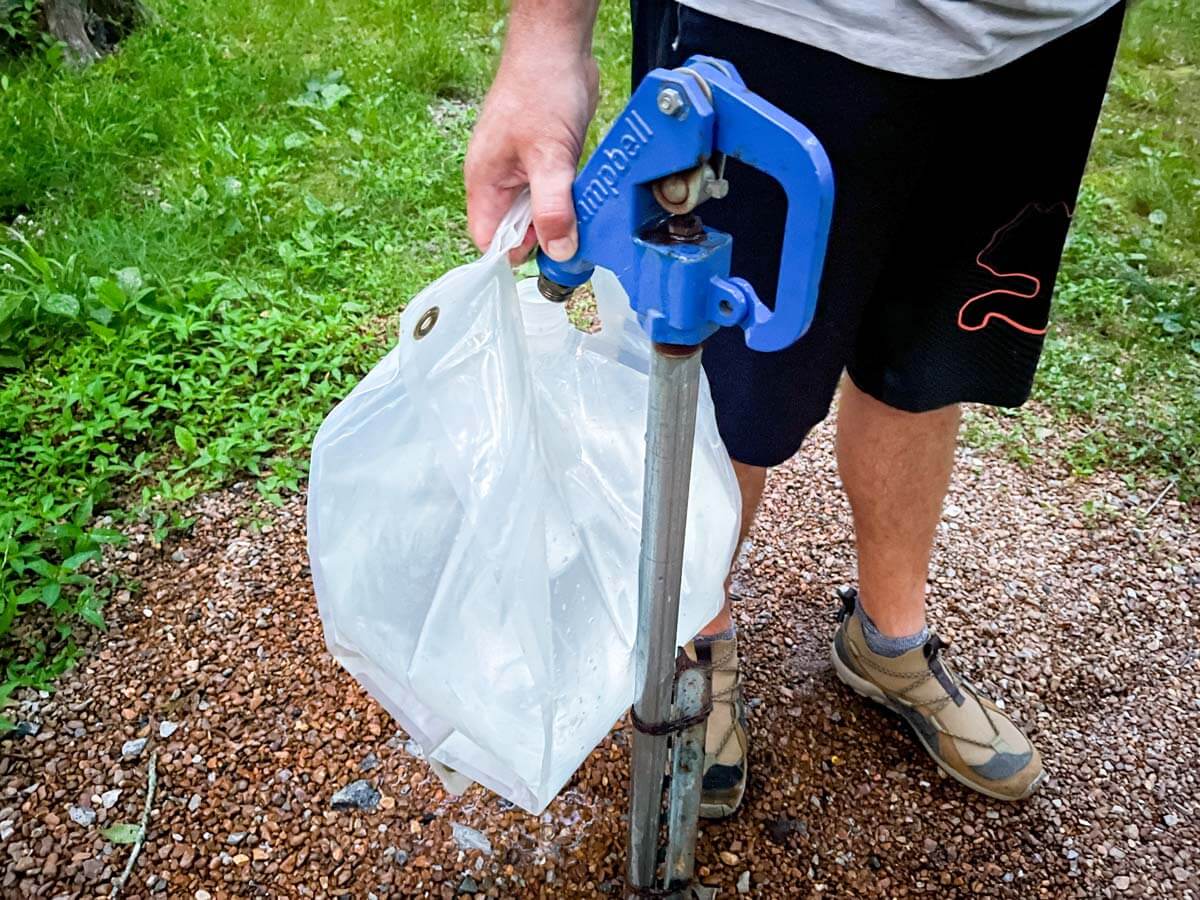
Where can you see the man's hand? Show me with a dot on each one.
(533, 124)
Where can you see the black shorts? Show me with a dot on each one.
(952, 202)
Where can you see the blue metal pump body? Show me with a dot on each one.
(683, 292)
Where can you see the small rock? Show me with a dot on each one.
(109, 798)
(468, 886)
(743, 883)
(26, 729)
(1121, 882)
(133, 749)
(194, 803)
(470, 839)
(370, 761)
(730, 859)
(236, 838)
(179, 556)
(356, 795)
(1181, 874)
(1131, 832)
(82, 815)
(203, 895)
(166, 729)
(1170, 820)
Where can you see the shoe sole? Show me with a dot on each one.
(717, 811)
(865, 688)
(714, 812)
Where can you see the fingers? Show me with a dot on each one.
(487, 204)
(518, 256)
(491, 188)
(495, 179)
(551, 176)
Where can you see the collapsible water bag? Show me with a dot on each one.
(474, 520)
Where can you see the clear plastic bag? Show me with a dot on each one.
(474, 520)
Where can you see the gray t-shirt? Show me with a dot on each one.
(926, 38)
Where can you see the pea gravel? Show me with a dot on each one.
(1074, 600)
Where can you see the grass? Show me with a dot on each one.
(204, 240)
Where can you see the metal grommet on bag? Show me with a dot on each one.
(426, 322)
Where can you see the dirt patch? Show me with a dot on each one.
(1073, 600)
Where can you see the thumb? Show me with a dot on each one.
(551, 178)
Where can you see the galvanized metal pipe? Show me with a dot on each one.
(670, 429)
(687, 771)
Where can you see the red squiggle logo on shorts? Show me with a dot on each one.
(1009, 304)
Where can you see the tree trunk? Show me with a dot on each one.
(67, 21)
(91, 28)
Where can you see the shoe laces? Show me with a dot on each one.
(953, 685)
(729, 696)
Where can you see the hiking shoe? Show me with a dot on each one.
(966, 734)
(725, 741)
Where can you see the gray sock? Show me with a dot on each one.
(884, 645)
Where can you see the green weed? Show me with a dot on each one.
(198, 236)
(18, 24)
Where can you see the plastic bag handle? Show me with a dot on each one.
(513, 227)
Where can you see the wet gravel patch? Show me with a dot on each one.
(1074, 600)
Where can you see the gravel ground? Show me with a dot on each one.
(1074, 600)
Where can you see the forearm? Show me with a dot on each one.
(542, 27)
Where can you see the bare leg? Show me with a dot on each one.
(751, 480)
(895, 467)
